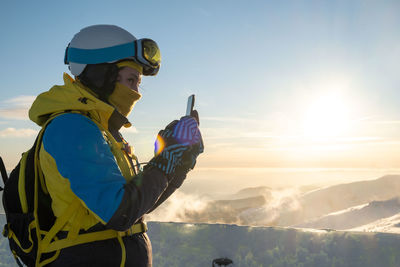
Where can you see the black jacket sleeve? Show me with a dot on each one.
(174, 184)
(140, 195)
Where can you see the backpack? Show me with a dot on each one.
(27, 206)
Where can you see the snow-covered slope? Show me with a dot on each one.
(387, 225)
(339, 197)
(358, 216)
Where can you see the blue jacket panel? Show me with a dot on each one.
(84, 158)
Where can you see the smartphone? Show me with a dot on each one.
(190, 105)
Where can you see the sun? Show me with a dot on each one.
(328, 115)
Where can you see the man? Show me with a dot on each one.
(99, 194)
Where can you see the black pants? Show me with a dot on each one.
(108, 253)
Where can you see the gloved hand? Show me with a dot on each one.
(177, 147)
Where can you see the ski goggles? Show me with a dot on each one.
(144, 51)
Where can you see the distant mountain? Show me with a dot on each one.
(263, 206)
(357, 216)
(321, 202)
(343, 196)
(264, 191)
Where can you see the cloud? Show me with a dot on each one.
(229, 119)
(378, 120)
(17, 107)
(255, 206)
(281, 202)
(177, 206)
(388, 122)
(21, 100)
(129, 130)
(12, 132)
(229, 133)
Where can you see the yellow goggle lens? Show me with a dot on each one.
(151, 52)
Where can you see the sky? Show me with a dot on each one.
(279, 85)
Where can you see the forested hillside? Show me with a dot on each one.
(179, 244)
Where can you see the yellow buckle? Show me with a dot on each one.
(134, 229)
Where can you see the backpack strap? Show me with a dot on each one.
(59, 224)
(21, 183)
(39, 176)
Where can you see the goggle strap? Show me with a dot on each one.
(66, 55)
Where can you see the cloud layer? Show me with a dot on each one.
(16, 108)
(12, 132)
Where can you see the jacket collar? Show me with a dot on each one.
(109, 117)
(73, 96)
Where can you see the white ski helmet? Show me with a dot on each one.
(107, 44)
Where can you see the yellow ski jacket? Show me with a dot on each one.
(85, 160)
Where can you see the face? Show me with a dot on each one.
(130, 78)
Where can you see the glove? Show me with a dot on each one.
(177, 147)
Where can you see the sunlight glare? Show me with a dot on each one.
(327, 116)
